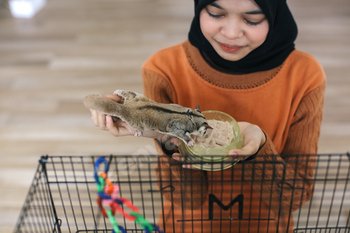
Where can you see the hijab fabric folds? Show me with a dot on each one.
(278, 45)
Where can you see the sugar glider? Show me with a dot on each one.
(143, 114)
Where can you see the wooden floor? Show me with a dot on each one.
(72, 48)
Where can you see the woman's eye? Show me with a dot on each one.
(214, 15)
(252, 23)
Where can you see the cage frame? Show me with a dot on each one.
(46, 215)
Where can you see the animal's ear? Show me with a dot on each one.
(207, 126)
(197, 108)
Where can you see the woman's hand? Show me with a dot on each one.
(254, 138)
(118, 128)
(105, 122)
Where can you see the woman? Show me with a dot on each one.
(239, 59)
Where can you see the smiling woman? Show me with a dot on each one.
(234, 28)
(272, 34)
(240, 59)
(74, 48)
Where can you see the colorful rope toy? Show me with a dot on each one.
(107, 194)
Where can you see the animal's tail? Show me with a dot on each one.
(102, 104)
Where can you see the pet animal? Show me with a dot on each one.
(142, 114)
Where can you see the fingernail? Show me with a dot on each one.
(232, 153)
(108, 119)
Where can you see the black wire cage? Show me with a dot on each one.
(298, 193)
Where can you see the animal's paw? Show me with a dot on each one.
(190, 142)
(137, 133)
(119, 93)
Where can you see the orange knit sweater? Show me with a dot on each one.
(286, 103)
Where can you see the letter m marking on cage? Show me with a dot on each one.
(213, 198)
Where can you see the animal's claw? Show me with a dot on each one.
(137, 134)
(118, 94)
(190, 142)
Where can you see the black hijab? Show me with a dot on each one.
(278, 45)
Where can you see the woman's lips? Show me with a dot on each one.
(230, 48)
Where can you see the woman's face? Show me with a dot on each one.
(234, 27)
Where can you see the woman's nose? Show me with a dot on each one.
(232, 30)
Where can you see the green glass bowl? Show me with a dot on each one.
(213, 159)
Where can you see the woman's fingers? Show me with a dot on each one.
(94, 117)
(110, 126)
(98, 119)
(254, 138)
(107, 123)
(115, 98)
(177, 157)
(175, 141)
(180, 158)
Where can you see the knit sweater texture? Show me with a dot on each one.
(285, 102)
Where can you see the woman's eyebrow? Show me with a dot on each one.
(255, 12)
(214, 4)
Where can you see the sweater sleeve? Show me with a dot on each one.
(157, 87)
(289, 180)
(167, 170)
